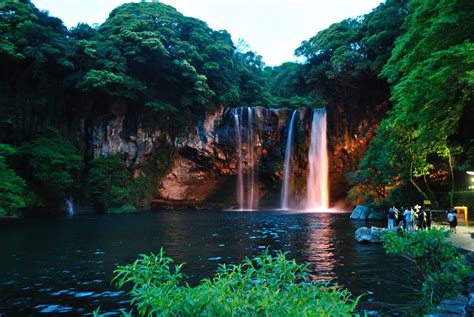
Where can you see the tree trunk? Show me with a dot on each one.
(418, 188)
(432, 194)
(451, 171)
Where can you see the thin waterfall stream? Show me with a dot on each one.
(247, 193)
(287, 177)
(317, 198)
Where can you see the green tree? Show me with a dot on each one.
(34, 59)
(431, 70)
(12, 186)
(351, 53)
(109, 183)
(287, 86)
(53, 165)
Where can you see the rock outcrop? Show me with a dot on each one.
(205, 155)
(354, 114)
(205, 159)
(372, 235)
(458, 306)
(109, 137)
(362, 212)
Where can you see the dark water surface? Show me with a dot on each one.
(64, 265)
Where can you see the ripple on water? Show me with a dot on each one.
(108, 294)
(83, 294)
(324, 242)
(62, 292)
(48, 309)
(91, 282)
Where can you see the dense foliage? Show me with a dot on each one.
(348, 55)
(442, 269)
(266, 285)
(108, 184)
(52, 164)
(431, 70)
(165, 70)
(12, 186)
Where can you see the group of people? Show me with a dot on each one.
(417, 218)
(410, 218)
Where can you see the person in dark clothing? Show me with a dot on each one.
(428, 217)
(421, 219)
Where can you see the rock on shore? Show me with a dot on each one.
(363, 212)
(372, 235)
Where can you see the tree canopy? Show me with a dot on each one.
(408, 61)
(431, 71)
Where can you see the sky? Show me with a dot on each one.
(272, 28)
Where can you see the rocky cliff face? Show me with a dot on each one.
(205, 161)
(353, 120)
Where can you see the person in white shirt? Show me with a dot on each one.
(408, 219)
(452, 220)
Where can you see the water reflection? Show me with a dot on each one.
(321, 248)
(65, 265)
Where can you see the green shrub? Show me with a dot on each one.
(108, 182)
(12, 186)
(111, 186)
(262, 286)
(122, 209)
(442, 268)
(53, 165)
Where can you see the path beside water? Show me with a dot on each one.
(463, 239)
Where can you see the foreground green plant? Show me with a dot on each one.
(442, 268)
(262, 286)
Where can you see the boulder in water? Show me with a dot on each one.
(372, 235)
(360, 212)
(363, 212)
(376, 215)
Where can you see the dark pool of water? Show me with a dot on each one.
(64, 265)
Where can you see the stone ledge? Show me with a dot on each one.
(372, 234)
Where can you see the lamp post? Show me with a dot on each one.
(471, 173)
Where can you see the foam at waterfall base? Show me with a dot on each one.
(324, 210)
(287, 211)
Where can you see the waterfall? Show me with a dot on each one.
(240, 176)
(251, 159)
(285, 189)
(70, 206)
(247, 195)
(317, 182)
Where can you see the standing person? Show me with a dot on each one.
(397, 215)
(413, 219)
(428, 217)
(391, 217)
(407, 219)
(421, 219)
(452, 220)
(401, 218)
(455, 221)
